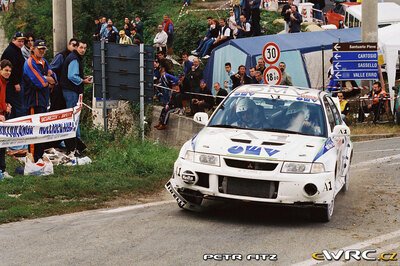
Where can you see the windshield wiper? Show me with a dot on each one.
(283, 131)
(225, 126)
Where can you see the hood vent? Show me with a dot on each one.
(242, 140)
(272, 143)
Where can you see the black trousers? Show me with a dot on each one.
(37, 150)
(3, 159)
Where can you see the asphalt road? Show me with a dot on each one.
(367, 217)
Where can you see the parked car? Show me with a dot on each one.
(336, 16)
(267, 144)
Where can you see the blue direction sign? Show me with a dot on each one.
(355, 61)
(345, 65)
(354, 56)
(352, 75)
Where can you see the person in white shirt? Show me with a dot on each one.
(160, 41)
(244, 28)
(232, 23)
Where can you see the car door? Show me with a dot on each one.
(342, 142)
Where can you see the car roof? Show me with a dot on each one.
(279, 90)
(387, 12)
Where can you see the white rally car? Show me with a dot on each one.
(268, 144)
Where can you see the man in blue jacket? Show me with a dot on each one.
(72, 81)
(38, 79)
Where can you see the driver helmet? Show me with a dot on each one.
(245, 105)
(298, 107)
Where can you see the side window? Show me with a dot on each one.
(329, 114)
(335, 111)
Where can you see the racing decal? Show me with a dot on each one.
(181, 201)
(309, 99)
(328, 186)
(244, 94)
(329, 144)
(252, 150)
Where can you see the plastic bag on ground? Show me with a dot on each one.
(40, 168)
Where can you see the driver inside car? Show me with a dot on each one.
(298, 117)
(248, 115)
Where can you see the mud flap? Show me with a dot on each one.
(179, 199)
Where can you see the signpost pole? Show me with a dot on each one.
(142, 66)
(323, 67)
(103, 82)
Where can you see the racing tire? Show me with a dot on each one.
(323, 213)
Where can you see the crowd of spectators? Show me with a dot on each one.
(36, 86)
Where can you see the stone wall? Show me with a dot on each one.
(179, 129)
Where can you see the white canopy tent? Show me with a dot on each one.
(389, 42)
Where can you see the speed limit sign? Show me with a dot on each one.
(272, 75)
(271, 53)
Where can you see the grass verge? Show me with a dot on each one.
(361, 132)
(120, 168)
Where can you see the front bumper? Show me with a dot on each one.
(230, 183)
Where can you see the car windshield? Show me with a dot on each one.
(296, 115)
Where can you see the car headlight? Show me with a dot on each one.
(302, 168)
(202, 158)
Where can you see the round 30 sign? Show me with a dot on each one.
(272, 75)
(271, 53)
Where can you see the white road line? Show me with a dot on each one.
(377, 160)
(359, 245)
(135, 207)
(376, 150)
(379, 251)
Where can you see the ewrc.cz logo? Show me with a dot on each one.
(358, 255)
(240, 257)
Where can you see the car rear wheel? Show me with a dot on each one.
(323, 213)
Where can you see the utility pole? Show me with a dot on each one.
(369, 26)
(369, 21)
(59, 26)
(69, 20)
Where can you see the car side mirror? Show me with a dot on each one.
(341, 130)
(201, 118)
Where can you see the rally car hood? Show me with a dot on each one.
(260, 145)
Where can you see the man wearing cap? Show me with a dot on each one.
(38, 81)
(14, 92)
(123, 39)
(72, 81)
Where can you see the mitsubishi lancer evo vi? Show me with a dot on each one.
(267, 144)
